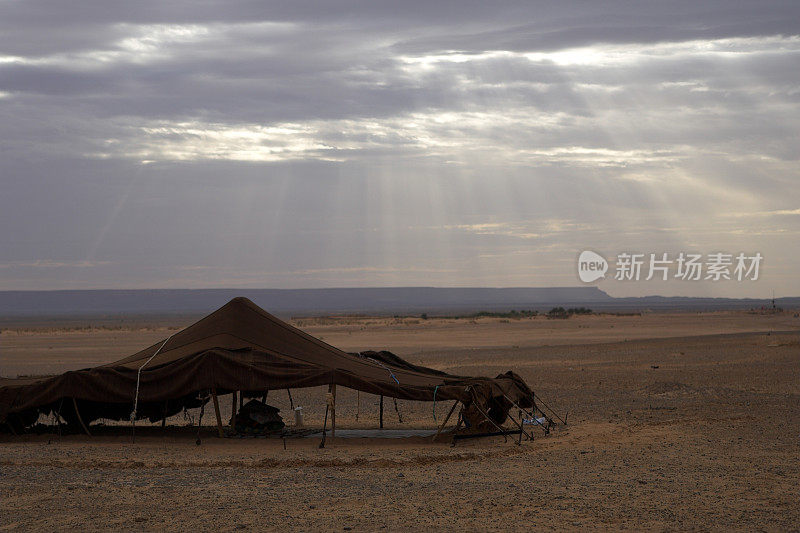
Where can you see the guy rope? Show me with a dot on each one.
(138, 381)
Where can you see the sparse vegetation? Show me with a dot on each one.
(560, 312)
(501, 314)
(557, 312)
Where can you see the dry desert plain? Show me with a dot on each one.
(710, 439)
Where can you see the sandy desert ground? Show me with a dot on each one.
(710, 439)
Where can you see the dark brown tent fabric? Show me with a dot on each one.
(238, 347)
(395, 360)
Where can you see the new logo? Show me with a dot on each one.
(591, 266)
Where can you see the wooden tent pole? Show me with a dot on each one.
(486, 416)
(396, 410)
(291, 402)
(381, 411)
(216, 412)
(518, 407)
(164, 418)
(333, 411)
(58, 419)
(563, 420)
(519, 425)
(233, 412)
(324, 426)
(78, 414)
(441, 428)
(241, 400)
(200, 418)
(532, 415)
(458, 426)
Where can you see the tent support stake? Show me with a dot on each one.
(216, 412)
(78, 414)
(441, 428)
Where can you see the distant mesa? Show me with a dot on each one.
(292, 301)
(377, 300)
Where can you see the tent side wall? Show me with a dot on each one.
(108, 392)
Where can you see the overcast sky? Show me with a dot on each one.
(241, 144)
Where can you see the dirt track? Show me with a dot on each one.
(710, 439)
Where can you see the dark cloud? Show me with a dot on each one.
(342, 143)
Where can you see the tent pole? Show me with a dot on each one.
(241, 400)
(233, 412)
(441, 428)
(518, 407)
(78, 414)
(519, 425)
(291, 402)
(458, 426)
(381, 411)
(200, 419)
(549, 408)
(486, 416)
(58, 417)
(264, 397)
(358, 404)
(521, 410)
(399, 418)
(324, 426)
(216, 412)
(333, 411)
(164, 418)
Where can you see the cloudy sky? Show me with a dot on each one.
(242, 144)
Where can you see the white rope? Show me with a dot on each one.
(139, 378)
(389, 370)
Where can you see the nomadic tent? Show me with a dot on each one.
(241, 347)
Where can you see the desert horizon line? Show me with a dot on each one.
(610, 294)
